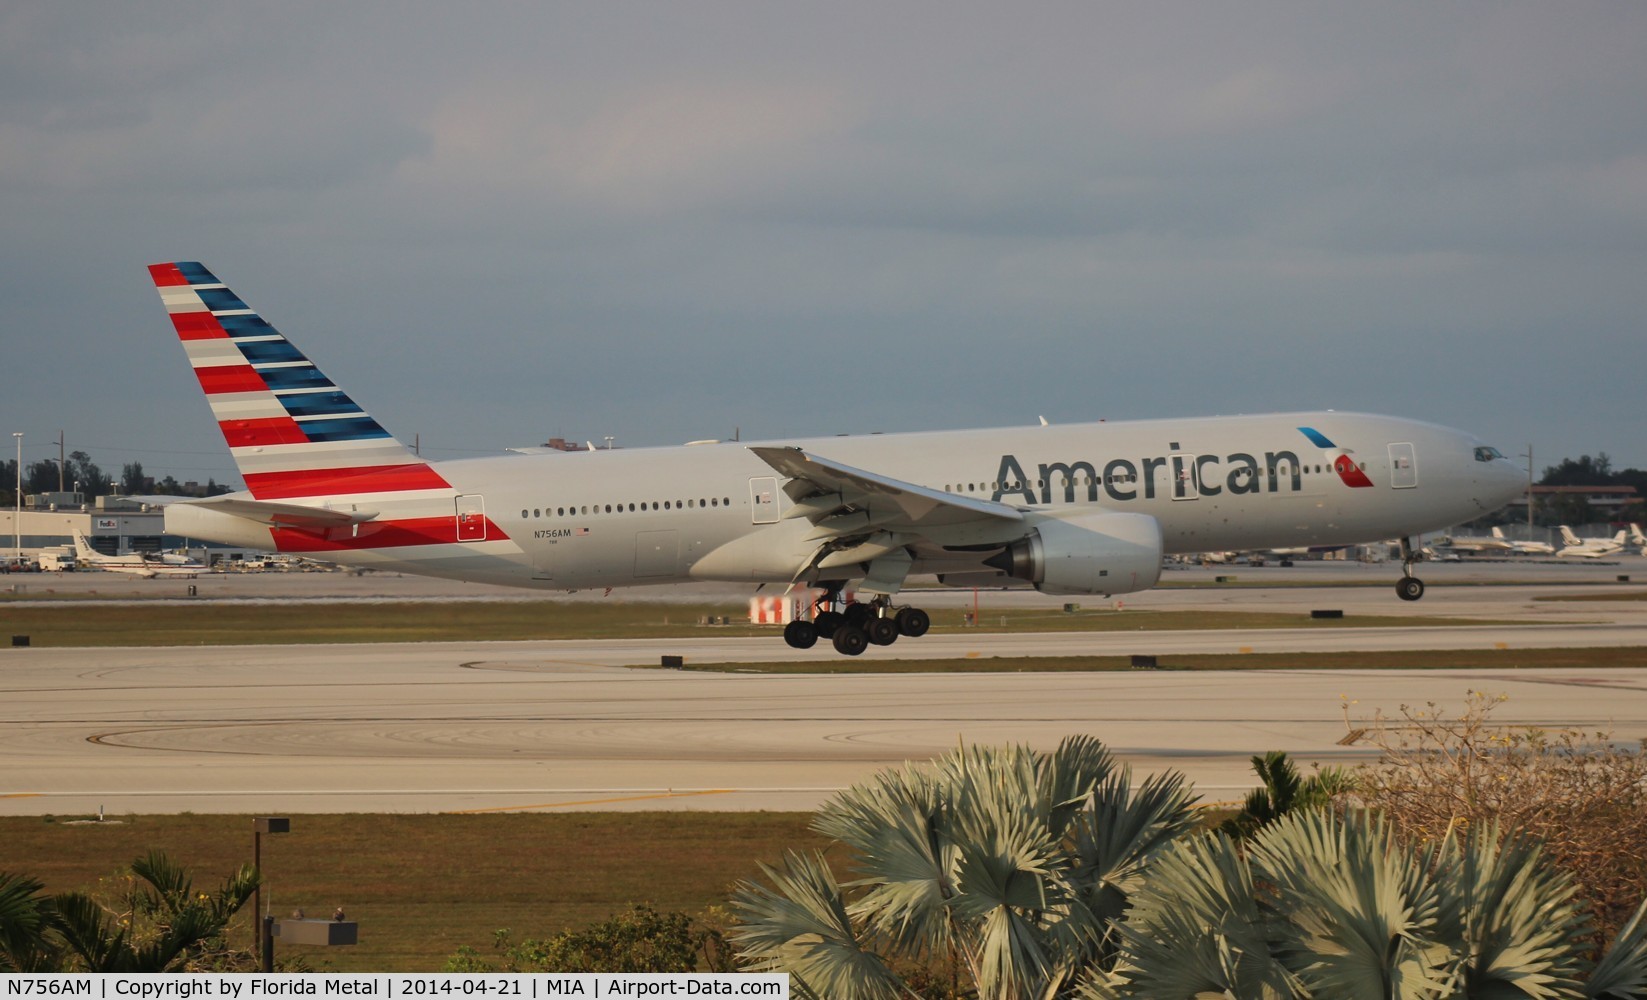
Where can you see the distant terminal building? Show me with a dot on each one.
(113, 525)
(1605, 502)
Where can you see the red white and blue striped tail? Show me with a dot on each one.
(293, 432)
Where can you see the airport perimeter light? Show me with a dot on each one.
(264, 924)
(17, 518)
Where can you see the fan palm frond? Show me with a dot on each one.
(903, 854)
(1196, 928)
(1622, 972)
(801, 926)
(1069, 775)
(1516, 921)
(1121, 828)
(1358, 912)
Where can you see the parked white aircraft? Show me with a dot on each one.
(135, 564)
(1589, 548)
(1071, 509)
(1524, 548)
(1476, 543)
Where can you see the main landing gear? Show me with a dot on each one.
(854, 627)
(1409, 587)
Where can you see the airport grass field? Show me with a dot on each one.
(422, 885)
(1415, 659)
(212, 623)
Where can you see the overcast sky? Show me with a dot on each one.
(496, 223)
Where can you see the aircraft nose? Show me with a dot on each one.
(1502, 480)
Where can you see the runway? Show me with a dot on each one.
(569, 725)
(573, 725)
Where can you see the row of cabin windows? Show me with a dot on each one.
(958, 488)
(1116, 480)
(618, 508)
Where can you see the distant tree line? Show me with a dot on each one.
(1588, 471)
(80, 474)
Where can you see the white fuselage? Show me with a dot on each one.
(1590, 548)
(716, 511)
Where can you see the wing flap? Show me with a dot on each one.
(888, 503)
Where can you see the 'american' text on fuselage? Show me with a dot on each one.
(1122, 478)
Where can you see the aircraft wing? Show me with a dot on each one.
(833, 496)
(285, 515)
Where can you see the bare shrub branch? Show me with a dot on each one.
(1582, 794)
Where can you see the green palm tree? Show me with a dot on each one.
(1327, 906)
(1009, 866)
(1281, 790)
(27, 917)
(178, 920)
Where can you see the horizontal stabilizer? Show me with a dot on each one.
(286, 515)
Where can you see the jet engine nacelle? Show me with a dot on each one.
(1095, 554)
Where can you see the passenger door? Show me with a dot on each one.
(1403, 466)
(471, 517)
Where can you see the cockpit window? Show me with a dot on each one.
(1486, 454)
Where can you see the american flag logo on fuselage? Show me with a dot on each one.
(1347, 468)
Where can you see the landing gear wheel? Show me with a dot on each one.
(800, 634)
(882, 631)
(850, 641)
(913, 622)
(827, 622)
(1410, 588)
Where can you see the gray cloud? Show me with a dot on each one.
(503, 221)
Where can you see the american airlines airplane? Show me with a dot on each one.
(1072, 509)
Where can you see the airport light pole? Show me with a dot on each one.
(1529, 493)
(17, 518)
(264, 924)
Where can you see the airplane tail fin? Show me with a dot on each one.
(83, 550)
(1498, 532)
(293, 433)
(1568, 537)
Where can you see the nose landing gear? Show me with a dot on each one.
(1409, 587)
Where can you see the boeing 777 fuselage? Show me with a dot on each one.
(1070, 509)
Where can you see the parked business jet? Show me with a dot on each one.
(1069, 509)
(1590, 548)
(1495, 543)
(1524, 548)
(135, 564)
